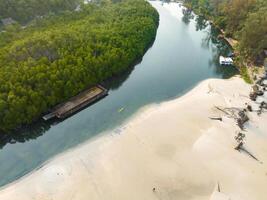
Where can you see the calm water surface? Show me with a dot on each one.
(184, 53)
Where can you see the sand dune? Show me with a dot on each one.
(173, 147)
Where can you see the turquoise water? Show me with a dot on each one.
(184, 53)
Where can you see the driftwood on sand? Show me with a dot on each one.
(242, 119)
(240, 145)
(249, 108)
(216, 118)
(237, 113)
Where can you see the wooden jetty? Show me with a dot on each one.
(76, 103)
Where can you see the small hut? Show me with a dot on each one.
(226, 60)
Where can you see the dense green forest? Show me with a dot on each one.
(56, 57)
(244, 20)
(25, 10)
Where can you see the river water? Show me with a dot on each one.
(184, 53)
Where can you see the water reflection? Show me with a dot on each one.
(212, 33)
(116, 81)
(201, 23)
(218, 47)
(36, 130)
(187, 15)
(40, 127)
(211, 41)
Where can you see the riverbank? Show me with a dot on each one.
(173, 147)
(237, 32)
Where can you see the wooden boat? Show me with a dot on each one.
(226, 60)
(77, 102)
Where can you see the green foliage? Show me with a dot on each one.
(59, 56)
(245, 75)
(236, 12)
(245, 20)
(253, 37)
(26, 10)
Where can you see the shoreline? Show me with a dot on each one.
(107, 133)
(173, 147)
(244, 65)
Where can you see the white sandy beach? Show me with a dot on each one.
(173, 147)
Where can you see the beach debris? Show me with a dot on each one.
(253, 96)
(234, 112)
(258, 82)
(240, 138)
(216, 118)
(239, 146)
(255, 92)
(259, 88)
(255, 88)
(261, 81)
(242, 148)
(218, 194)
(218, 187)
(260, 93)
(242, 119)
(220, 109)
(249, 108)
(263, 105)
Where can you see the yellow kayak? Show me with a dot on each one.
(120, 110)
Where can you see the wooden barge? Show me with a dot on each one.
(76, 103)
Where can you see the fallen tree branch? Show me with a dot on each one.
(216, 118)
(222, 110)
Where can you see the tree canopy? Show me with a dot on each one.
(56, 57)
(245, 20)
(25, 10)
